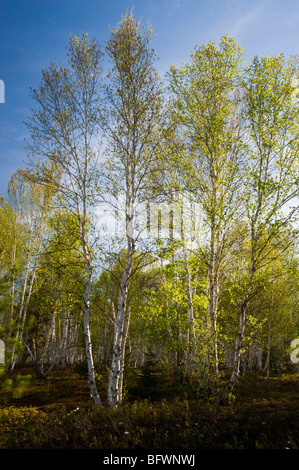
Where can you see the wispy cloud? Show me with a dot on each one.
(173, 6)
(248, 18)
(291, 20)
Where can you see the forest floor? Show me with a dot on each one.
(58, 413)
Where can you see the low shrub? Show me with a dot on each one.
(264, 416)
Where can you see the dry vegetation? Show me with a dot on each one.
(58, 413)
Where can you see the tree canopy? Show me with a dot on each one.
(218, 137)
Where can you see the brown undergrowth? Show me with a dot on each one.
(58, 413)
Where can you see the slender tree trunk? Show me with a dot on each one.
(64, 340)
(267, 364)
(41, 364)
(71, 342)
(20, 316)
(23, 311)
(34, 252)
(192, 339)
(87, 335)
(123, 353)
(213, 310)
(241, 329)
(213, 291)
(237, 356)
(114, 386)
(12, 294)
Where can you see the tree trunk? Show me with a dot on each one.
(64, 339)
(23, 311)
(87, 335)
(115, 385)
(41, 362)
(213, 309)
(237, 356)
(267, 364)
(123, 352)
(191, 321)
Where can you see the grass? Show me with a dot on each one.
(58, 413)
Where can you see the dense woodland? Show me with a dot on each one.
(209, 303)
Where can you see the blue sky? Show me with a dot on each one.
(34, 33)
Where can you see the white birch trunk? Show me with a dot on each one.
(41, 365)
(23, 309)
(87, 335)
(123, 352)
(12, 295)
(114, 386)
(65, 330)
(267, 364)
(239, 340)
(213, 309)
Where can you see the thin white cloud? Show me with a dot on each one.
(249, 18)
(173, 6)
(292, 20)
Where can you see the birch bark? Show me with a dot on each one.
(133, 131)
(65, 129)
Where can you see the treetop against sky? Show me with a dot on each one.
(229, 137)
(35, 33)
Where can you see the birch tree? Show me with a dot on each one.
(207, 115)
(133, 132)
(64, 150)
(12, 240)
(55, 304)
(272, 126)
(30, 205)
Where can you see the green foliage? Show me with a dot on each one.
(225, 133)
(17, 384)
(151, 383)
